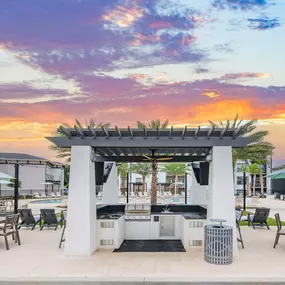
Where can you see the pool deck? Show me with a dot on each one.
(39, 259)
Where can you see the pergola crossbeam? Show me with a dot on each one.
(184, 132)
(119, 132)
(170, 133)
(106, 133)
(65, 132)
(131, 132)
(197, 132)
(93, 132)
(79, 131)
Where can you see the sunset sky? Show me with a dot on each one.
(122, 61)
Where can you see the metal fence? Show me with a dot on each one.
(28, 192)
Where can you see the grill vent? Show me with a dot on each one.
(196, 224)
(106, 242)
(107, 224)
(195, 242)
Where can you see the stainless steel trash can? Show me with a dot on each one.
(218, 243)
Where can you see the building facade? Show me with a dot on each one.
(238, 177)
(36, 174)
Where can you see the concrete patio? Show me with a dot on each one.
(39, 257)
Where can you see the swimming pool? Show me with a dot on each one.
(48, 201)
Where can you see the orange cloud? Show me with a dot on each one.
(139, 76)
(231, 76)
(123, 16)
(211, 94)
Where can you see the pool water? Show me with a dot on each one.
(48, 201)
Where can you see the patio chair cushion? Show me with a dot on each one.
(244, 218)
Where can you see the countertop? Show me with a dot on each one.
(186, 215)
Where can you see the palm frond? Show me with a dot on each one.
(140, 125)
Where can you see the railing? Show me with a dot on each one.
(26, 192)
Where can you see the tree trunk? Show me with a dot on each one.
(175, 185)
(143, 189)
(253, 184)
(153, 197)
(248, 188)
(261, 183)
(123, 186)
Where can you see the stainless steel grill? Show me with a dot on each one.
(138, 212)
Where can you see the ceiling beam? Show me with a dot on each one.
(151, 142)
(180, 158)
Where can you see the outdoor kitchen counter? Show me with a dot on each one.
(115, 212)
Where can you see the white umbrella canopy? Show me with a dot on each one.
(5, 176)
(6, 182)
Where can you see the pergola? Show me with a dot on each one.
(89, 145)
(130, 145)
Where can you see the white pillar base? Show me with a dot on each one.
(221, 201)
(80, 236)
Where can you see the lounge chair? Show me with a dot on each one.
(58, 194)
(63, 216)
(259, 218)
(280, 231)
(10, 228)
(238, 219)
(3, 205)
(43, 195)
(52, 195)
(49, 219)
(36, 195)
(28, 219)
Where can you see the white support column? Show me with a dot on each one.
(221, 202)
(81, 212)
(110, 188)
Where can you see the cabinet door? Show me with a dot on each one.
(167, 226)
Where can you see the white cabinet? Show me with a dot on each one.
(193, 233)
(137, 229)
(110, 233)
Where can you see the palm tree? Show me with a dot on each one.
(247, 182)
(258, 146)
(66, 152)
(254, 170)
(153, 124)
(144, 169)
(123, 170)
(175, 169)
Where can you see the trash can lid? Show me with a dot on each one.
(221, 221)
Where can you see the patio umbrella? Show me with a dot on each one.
(5, 176)
(277, 175)
(6, 182)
